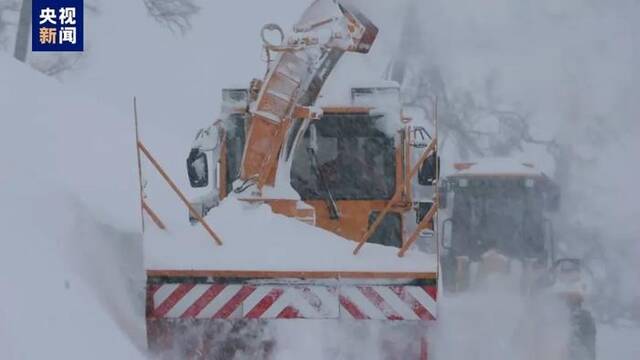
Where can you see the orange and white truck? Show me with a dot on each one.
(305, 211)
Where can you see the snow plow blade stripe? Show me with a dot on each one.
(288, 301)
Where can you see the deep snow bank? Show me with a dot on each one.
(68, 253)
(257, 239)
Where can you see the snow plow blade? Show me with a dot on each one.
(193, 313)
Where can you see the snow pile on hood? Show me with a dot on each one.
(257, 239)
(67, 289)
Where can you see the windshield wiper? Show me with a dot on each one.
(331, 203)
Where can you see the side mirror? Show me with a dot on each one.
(198, 169)
(445, 240)
(429, 170)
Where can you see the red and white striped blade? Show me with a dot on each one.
(234, 301)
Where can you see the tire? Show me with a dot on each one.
(583, 336)
(448, 264)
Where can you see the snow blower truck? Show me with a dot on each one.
(495, 220)
(359, 173)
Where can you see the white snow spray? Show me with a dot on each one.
(571, 68)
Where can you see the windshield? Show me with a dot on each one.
(504, 214)
(354, 158)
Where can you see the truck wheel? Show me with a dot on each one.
(448, 264)
(583, 336)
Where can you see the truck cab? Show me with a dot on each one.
(338, 172)
(499, 208)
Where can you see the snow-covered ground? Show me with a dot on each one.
(70, 255)
(71, 258)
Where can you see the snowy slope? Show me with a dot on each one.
(65, 189)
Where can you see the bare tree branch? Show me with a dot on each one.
(174, 14)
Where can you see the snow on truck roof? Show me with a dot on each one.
(256, 239)
(495, 166)
(375, 84)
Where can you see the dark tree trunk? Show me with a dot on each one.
(23, 34)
